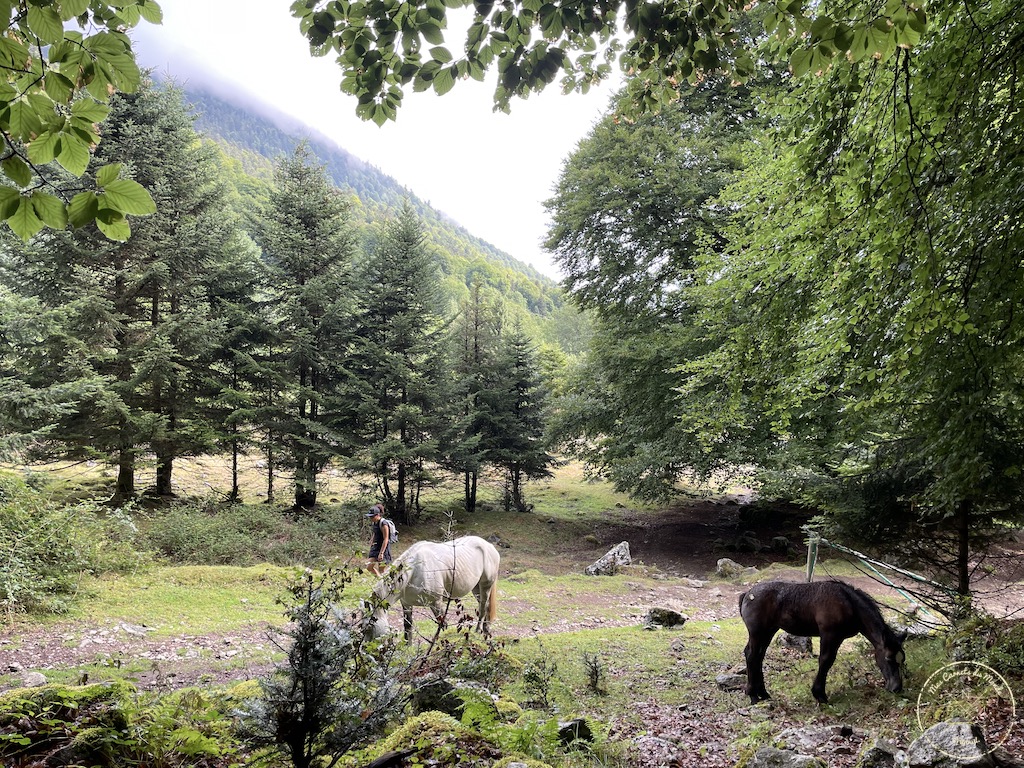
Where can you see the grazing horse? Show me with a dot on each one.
(430, 572)
(831, 610)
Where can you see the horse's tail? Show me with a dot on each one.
(740, 606)
(492, 601)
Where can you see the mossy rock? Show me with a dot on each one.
(437, 738)
(508, 711)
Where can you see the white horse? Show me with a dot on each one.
(430, 572)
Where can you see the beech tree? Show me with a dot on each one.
(663, 46)
(57, 82)
(873, 291)
(634, 208)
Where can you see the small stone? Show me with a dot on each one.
(33, 680)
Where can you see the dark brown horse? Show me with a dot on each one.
(831, 610)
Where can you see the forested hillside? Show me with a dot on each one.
(255, 142)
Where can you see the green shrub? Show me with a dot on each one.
(999, 643)
(46, 548)
(209, 533)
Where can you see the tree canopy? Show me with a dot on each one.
(385, 46)
(58, 80)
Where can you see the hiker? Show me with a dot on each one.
(380, 541)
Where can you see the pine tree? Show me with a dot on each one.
(308, 244)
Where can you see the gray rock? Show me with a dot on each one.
(731, 682)
(795, 643)
(950, 744)
(608, 564)
(881, 753)
(770, 757)
(813, 737)
(33, 679)
(728, 568)
(664, 617)
(781, 545)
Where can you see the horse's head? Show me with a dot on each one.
(890, 657)
(374, 618)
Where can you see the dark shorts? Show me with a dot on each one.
(374, 551)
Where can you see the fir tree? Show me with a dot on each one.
(396, 359)
(308, 244)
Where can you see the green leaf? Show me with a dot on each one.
(73, 155)
(17, 171)
(432, 34)
(24, 122)
(70, 9)
(44, 148)
(24, 222)
(50, 210)
(83, 208)
(90, 111)
(127, 196)
(107, 174)
(115, 228)
(45, 23)
(800, 61)
(441, 54)
(443, 82)
(10, 198)
(58, 87)
(151, 12)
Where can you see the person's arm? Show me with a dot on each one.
(386, 530)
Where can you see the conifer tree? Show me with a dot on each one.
(308, 244)
(516, 443)
(396, 361)
(474, 343)
(136, 317)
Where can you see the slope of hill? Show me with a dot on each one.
(255, 141)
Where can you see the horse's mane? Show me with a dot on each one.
(870, 612)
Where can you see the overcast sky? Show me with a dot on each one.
(489, 171)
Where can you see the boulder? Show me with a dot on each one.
(663, 617)
(33, 679)
(728, 568)
(950, 744)
(730, 682)
(608, 565)
(881, 753)
(811, 738)
(795, 643)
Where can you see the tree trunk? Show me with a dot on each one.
(236, 494)
(963, 565)
(125, 487)
(270, 466)
(305, 485)
(164, 471)
(471, 483)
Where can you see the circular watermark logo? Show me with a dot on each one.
(969, 692)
